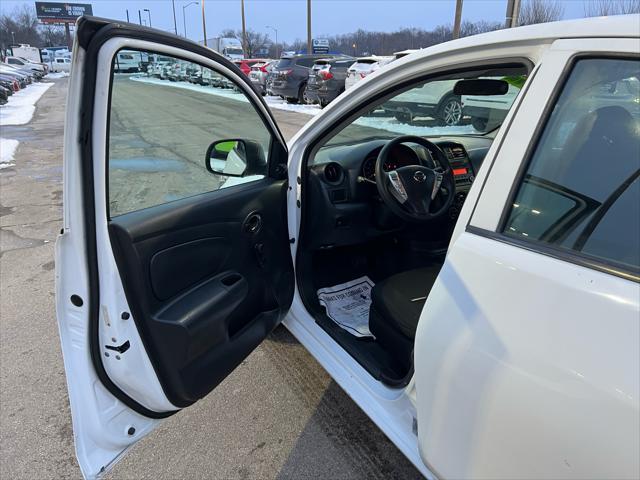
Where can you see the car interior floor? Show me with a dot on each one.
(377, 259)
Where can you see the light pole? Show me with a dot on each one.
(457, 19)
(309, 47)
(184, 19)
(148, 13)
(275, 30)
(175, 25)
(204, 26)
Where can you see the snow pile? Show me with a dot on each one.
(272, 102)
(56, 75)
(390, 124)
(281, 104)
(22, 104)
(7, 152)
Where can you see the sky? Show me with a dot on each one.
(329, 17)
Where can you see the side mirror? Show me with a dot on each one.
(235, 158)
(481, 86)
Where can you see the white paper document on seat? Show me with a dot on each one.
(348, 305)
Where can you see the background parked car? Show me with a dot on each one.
(127, 62)
(488, 112)
(434, 99)
(327, 79)
(9, 82)
(25, 64)
(291, 75)
(259, 73)
(4, 95)
(246, 64)
(364, 66)
(61, 64)
(23, 78)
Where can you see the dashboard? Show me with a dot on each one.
(341, 190)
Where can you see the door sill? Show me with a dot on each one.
(391, 409)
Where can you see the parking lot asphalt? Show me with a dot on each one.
(279, 415)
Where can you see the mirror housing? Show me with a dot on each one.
(481, 86)
(235, 158)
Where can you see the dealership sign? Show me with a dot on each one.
(54, 12)
(320, 45)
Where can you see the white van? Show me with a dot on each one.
(127, 62)
(61, 64)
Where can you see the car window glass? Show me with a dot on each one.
(305, 62)
(163, 118)
(581, 189)
(432, 108)
(284, 62)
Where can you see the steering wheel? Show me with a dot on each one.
(411, 191)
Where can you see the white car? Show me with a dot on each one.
(476, 294)
(25, 64)
(362, 67)
(435, 99)
(486, 111)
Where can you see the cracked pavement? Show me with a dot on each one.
(279, 415)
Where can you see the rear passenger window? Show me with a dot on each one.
(581, 190)
(306, 62)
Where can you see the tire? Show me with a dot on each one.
(404, 117)
(323, 103)
(450, 111)
(291, 100)
(302, 94)
(479, 124)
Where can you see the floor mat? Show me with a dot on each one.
(348, 303)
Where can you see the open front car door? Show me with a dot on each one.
(174, 262)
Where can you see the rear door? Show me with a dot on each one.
(527, 353)
(173, 263)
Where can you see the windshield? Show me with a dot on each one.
(233, 51)
(432, 108)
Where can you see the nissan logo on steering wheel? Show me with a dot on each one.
(419, 176)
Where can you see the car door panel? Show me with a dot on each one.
(526, 354)
(189, 300)
(158, 302)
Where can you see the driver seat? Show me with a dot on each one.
(396, 304)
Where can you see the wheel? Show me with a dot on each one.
(323, 103)
(302, 94)
(404, 117)
(450, 111)
(479, 123)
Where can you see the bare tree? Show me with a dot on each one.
(22, 26)
(540, 11)
(597, 8)
(252, 44)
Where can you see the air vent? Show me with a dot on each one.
(458, 152)
(333, 173)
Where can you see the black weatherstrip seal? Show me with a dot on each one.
(92, 33)
(90, 29)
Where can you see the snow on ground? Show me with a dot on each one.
(22, 104)
(281, 104)
(55, 75)
(273, 102)
(390, 124)
(7, 152)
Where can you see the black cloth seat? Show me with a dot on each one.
(396, 304)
